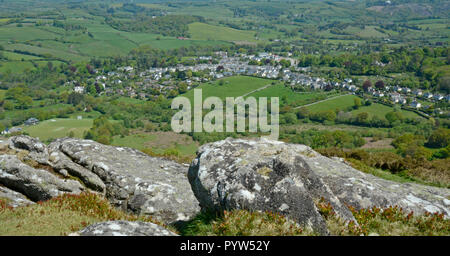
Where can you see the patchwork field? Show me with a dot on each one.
(100, 40)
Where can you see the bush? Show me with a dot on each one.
(390, 221)
(439, 139)
(241, 223)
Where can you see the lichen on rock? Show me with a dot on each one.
(289, 179)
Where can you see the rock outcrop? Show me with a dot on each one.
(286, 178)
(36, 184)
(36, 149)
(124, 228)
(129, 178)
(258, 175)
(14, 199)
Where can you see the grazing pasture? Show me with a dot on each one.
(203, 31)
(58, 127)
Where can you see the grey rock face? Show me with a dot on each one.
(14, 199)
(64, 165)
(37, 150)
(286, 178)
(38, 185)
(124, 228)
(130, 179)
(133, 180)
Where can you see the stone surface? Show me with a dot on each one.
(13, 199)
(37, 150)
(124, 228)
(129, 178)
(36, 184)
(286, 178)
(64, 165)
(133, 180)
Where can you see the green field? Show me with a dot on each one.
(370, 31)
(15, 66)
(136, 141)
(341, 103)
(347, 101)
(202, 31)
(48, 42)
(232, 87)
(17, 56)
(381, 110)
(57, 128)
(9, 114)
(292, 98)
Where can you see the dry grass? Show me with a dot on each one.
(59, 216)
(391, 221)
(392, 166)
(436, 171)
(377, 144)
(242, 223)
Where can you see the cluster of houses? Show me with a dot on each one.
(163, 79)
(221, 65)
(400, 95)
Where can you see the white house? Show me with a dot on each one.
(438, 97)
(78, 89)
(428, 95)
(416, 104)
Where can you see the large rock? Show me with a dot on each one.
(36, 184)
(124, 228)
(128, 178)
(133, 180)
(286, 178)
(62, 163)
(13, 199)
(36, 149)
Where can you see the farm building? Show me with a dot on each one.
(31, 121)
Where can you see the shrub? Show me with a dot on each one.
(439, 139)
(390, 221)
(242, 223)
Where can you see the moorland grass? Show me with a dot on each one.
(61, 215)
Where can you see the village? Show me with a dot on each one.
(151, 83)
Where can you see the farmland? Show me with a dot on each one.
(230, 87)
(57, 128)
(347, 102)
(202, 31)
(290, 97)
(380, 111)
(365, 84)
(343, 102)
(81, 32)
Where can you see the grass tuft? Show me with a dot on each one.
(61, 215)
(241, 223)
(391, 221)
